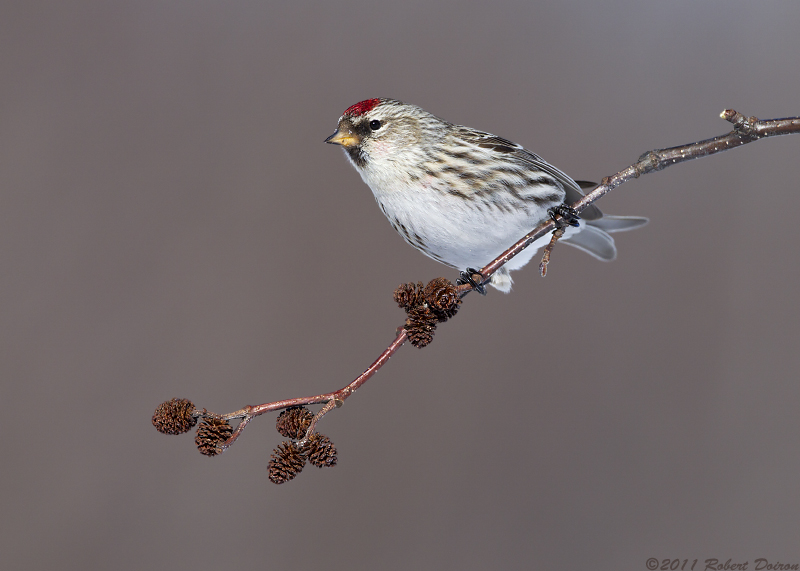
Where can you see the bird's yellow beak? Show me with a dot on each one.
(344, 136)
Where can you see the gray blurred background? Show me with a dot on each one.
(171, 224)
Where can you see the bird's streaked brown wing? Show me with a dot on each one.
(523, 156)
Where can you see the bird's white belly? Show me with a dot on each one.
(456, 231)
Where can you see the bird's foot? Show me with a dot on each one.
(564, 215)
(466, 278)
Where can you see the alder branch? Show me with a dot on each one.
(337, 398)
(745, 130)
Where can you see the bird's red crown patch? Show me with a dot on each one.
(362, 107)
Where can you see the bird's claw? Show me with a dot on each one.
(466, 278)
(564, 215)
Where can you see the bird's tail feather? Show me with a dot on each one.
(618, 223)
(593, 241)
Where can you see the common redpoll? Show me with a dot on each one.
(463, 196)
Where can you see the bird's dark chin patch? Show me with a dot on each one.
(357, 156)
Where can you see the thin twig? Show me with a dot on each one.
(337, 398)
(329, 406)
(557, 233)
(746, 130)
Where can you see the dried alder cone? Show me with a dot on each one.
(420, 325)
(320, 451)
(426, 306)
(285, 463)
(175, 416)
(409, 295)
(212, 434)
(442, 297)
(288, 459)
(294, 421)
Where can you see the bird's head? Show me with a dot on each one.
(382, 130)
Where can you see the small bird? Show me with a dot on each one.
(462, 196)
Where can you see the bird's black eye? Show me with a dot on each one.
(374, 124)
